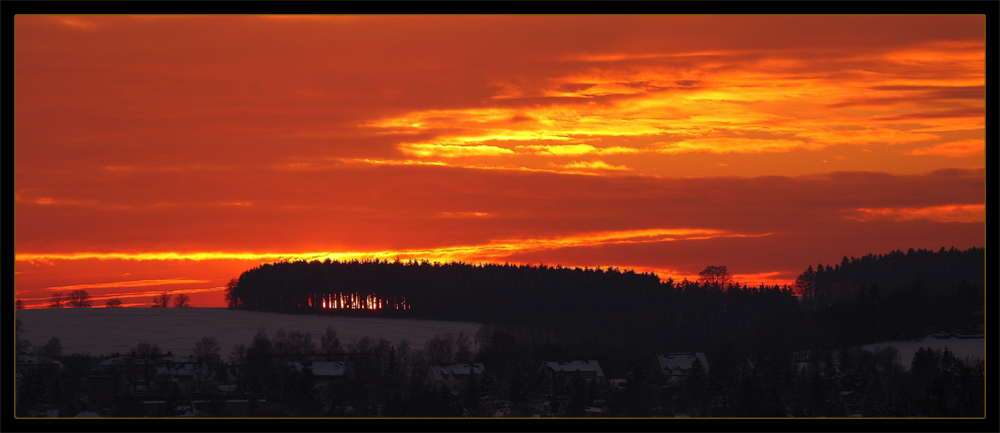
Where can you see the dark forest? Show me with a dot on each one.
(858, 301)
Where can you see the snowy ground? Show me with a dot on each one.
(973, 347)
(105, 330)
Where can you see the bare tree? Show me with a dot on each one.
(161, 300)
(182, 301)
(145, 350)
(56, 300)
(329, 343)
(231, 300)
(441, 349)
(715, 276)
(113, 303)
(463, 354)
(207, 350)
(238, 355)
(79, 299)
(53, 348)
(293, 343)
(22, 344)
(18, 304)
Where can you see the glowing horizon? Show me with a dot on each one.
(174, 152)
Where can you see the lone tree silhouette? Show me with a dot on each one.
(56, 300)
(715, 276)
(231, 301)
(113, 303)
(79, 299)
(182, 301)
(161, 300)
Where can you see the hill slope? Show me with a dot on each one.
(107, 330)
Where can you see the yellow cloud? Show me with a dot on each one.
(597, 165)
(493, 250)
(769, 93)
(620, 150)
(558, 150)
(453, 151)
(738, 145)
(403, 162)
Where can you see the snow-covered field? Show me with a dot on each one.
(106, 330)
(973, 347)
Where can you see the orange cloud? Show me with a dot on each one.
(78, 23)
(96, 298)
(751, 279)
(866, 136)
(405, 162)
(959, 55)
(766, 278)
(553, 168)
(464, 214)
(775, 92)
(189, 167)
(956, 149)
(53, 201)
(120, 284)
(947, 213)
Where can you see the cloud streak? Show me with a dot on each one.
(122, 284)
(493, 250)
(955, 149)
(974, 213)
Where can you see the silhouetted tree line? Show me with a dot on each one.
(492, 293)
(935, 271)
(862, 300)
(884, 297)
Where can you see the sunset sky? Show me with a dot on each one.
(171, 153)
